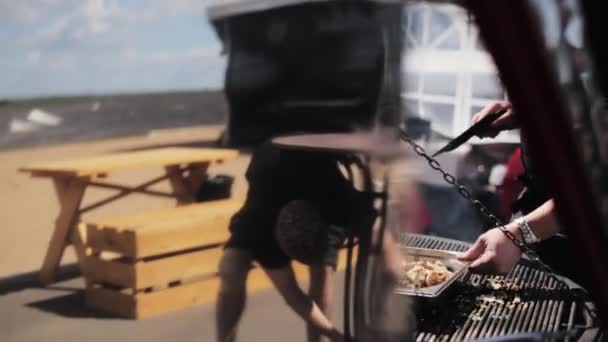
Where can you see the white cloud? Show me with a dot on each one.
(96, 14)
(33, 10)
(178, 7)
(91, 22)
(27, 10)
(72, 28)
(53, 31)
(33, 57)
(74, 38)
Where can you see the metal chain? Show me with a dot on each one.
(466, 194)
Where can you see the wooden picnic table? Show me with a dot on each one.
(184, 168)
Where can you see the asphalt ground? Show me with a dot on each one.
(30, 313)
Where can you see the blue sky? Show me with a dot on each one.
(59, 47)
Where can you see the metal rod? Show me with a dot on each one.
(500, 320)
(558, 320)
(533, 284)
(361, 266)
(456, 336)
(470, 323)
(537, 316)
(519, 270)
(521, 281)
(531, 314)
(521, 318)
(489, 321)
(477, 324)
(548, 315)
(509, 319)
(571, 318)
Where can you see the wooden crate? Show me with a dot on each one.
(143, 304)
(163, 231)
(147, 273)
(161, 260)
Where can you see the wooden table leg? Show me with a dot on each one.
(78, 239)
(70, 192)
(196, 176)
(185, 187)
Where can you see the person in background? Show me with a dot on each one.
(294, 69)
(511, 185)
(537, 224)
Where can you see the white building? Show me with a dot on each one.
(447, 74)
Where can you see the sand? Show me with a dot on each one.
(29, 206)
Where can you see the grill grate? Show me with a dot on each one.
(482, 306)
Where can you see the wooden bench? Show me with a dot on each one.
(149, 263)
(184, 168)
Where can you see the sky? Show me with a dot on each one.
(70, 47)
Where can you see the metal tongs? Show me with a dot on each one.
(477, 129)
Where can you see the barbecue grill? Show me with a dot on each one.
(480, 306)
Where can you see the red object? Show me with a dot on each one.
(416, 216)
(511, 185)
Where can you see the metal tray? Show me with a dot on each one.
(456, 266)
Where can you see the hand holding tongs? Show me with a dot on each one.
(477, 129)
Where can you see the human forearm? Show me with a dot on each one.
(493, 252)
(285, 282)
(542, 221)
(306, 308)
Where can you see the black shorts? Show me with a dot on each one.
(276, 177)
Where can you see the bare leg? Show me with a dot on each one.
(233, 270)
(321, 291)
(285, 282)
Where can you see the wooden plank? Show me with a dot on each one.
(112, 272)
(181, 188)
(147, 218)
(107, 239)
(145, 305)
(164, 239)
(123, 161)
(171, 299)
(160, 234)
(197, 175)
(179, 267)
(110, 301)
(165, 231)
(48, 174)
(78, 239)
(146, 274)
(70, 193)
